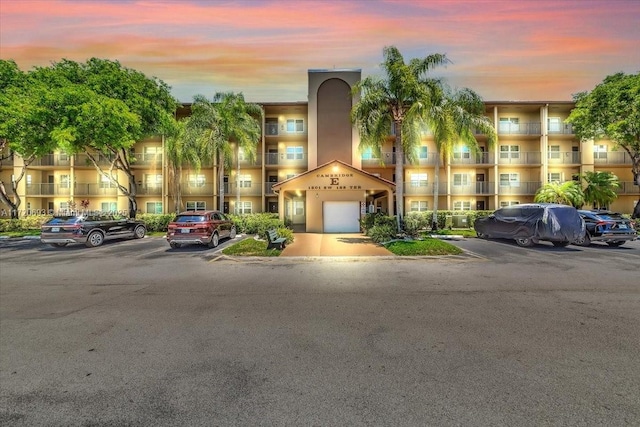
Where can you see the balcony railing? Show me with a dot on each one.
(472, 159)
(83, 160)
(482, 188)
(232, 190)
(521, 188)
(628, 187)
(283, 159)
(47, 189)
(198, 189)
(612, 158)
(533, 128)
(93, 189)
(565, 129)
(52, 160)
(520, 158)
(148, 190)
(563, 158)
(245, 162)
(147, 159)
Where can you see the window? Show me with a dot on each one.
(423, 152)
(461, 152)
(29, 181)
(555, 177)
(295, 125)
(554, 152)
(64, 206)
(298, 206)
(244, 181)
(419, 205)
(196, 206)
(599, 151)
(150, 153)
(196, 180)
(271, 126)
(462, 205)
(244, 207)
(460, 179)
(154, 207)
(506, 203)
(105, 182)
(367, 154)
(108, 206)
(64, 181)
(63, 157)
(294, 153)
(555, 124)
(509, 180)
(418, 179)
(509, 151)
(153, 180)
(509, 124)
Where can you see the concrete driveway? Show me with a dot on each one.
(343, 244)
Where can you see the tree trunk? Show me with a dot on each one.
(636, 211)
(133, 204)
(221, 181)
(436, 192)
(399, 177)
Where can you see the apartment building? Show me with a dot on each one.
(309, 168)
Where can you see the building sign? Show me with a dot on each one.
(335, 181)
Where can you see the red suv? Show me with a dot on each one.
(200, 227)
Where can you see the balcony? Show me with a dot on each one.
(52, 160)
(48, 189)
(564, 158)
(520, 158)
(472, 159)
(268, 188)
(246, 163)
(612, 158)
(231, 189)
(521, 188)
(148, 190)
(628, 187)
(565, 129)
(83, 160)
(477, 188)
(533, 128)
(282, 159)
(93, 189)
(147, 159)
(198, 189)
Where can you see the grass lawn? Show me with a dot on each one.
(466, 232)
(250, 247)
(20, 233)
(426, 247)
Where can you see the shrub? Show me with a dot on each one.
(414, 222)
(383, 233)
(156, 222)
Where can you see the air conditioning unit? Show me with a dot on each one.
(460, 221)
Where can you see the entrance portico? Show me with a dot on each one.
(333, 197)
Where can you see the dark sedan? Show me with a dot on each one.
(608, 227)
(92, 230)
(529, 223)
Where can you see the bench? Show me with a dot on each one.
(273, 241)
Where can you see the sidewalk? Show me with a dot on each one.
(348, 244)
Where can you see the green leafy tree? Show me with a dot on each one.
(26, 122)
(179, 151)
(215, 125)
(106, 108)
(566, 193)
(395, 101)
(612, 111)
(600, 189)
(454, 117)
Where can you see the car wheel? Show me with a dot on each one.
(481, 235)
(59, 245)
(232, 235)
(139, 232)
(95, 238)
(524, 241)
(214, 240)
(583, 241)
(616, 243)
(174, 245)
(560, 244)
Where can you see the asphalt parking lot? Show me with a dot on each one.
(136, 333)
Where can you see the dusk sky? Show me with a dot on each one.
(504, 50)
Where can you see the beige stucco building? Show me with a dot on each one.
(309, 168)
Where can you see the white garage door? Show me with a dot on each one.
(341, 217)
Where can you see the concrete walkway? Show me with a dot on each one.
(347, 244)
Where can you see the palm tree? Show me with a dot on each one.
(179, 150)
(394, 102)
(601, 188)
(215, 125)
(566, 193)
(454, 117)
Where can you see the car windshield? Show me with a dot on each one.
(64, 220)
(190, 218)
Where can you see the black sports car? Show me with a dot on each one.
(604, 226)
(529, 223)
(92, 230)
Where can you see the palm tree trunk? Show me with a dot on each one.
(399, 178)
(436, 191)
(220, 181)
